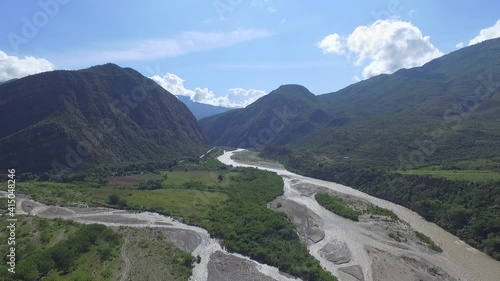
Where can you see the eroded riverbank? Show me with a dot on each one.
(363, 250)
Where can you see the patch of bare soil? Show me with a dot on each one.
(391, 267)
(307, 223)
(55, 212)
(336, 251)
(353, 272)
(117, 219)
(223, 267)
(185, 240)
(252, 158)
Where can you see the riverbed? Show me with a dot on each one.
(359, 251)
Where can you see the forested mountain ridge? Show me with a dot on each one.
(103, 114)
(447, 109)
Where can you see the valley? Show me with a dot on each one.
(123, 175)
(383, 242)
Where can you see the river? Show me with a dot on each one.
(458, 259)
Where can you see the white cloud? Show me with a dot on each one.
(235, 97)
(459, 45)
(487, 33)
(14, 67)
(384, 46)
(186, 42)
(331, 44)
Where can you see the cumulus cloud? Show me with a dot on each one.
(459, 45)
(383, 47)
(235, 97)
(487, 33)
(331, 44)
(15, 67)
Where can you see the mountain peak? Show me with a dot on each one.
(292, 90)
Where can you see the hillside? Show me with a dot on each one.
(202, 110)
(284, 115)
(445, 111)
(103, 114)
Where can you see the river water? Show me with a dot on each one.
(458, 259)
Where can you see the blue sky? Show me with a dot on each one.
(230, 52)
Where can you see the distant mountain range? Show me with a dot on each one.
(202, 110)
(103, 114)
(447, 110)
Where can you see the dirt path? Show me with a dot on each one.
(125, 259)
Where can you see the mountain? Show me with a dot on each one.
(447, 110)
(201, 110)
(103, 114)
(283, 115)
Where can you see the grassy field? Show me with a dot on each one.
(209, 178)
(460, 175)
(132, 180)
(153, 257)
(53, 193)
(185, 203)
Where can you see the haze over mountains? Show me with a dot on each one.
(103, 114)
(447, 110)
(202, 110)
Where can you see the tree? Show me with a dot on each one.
(113, 199)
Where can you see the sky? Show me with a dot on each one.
(231, 52)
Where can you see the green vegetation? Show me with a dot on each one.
(481, 176)
(338, 206)
(189, 204)
(61, 250)
(464, 208)
(231, 203)
(376, 210)
(248, 227)
(427, 240)
(342, 208)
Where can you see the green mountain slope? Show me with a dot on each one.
(103, 114)
(446, 110)
(284, 115)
